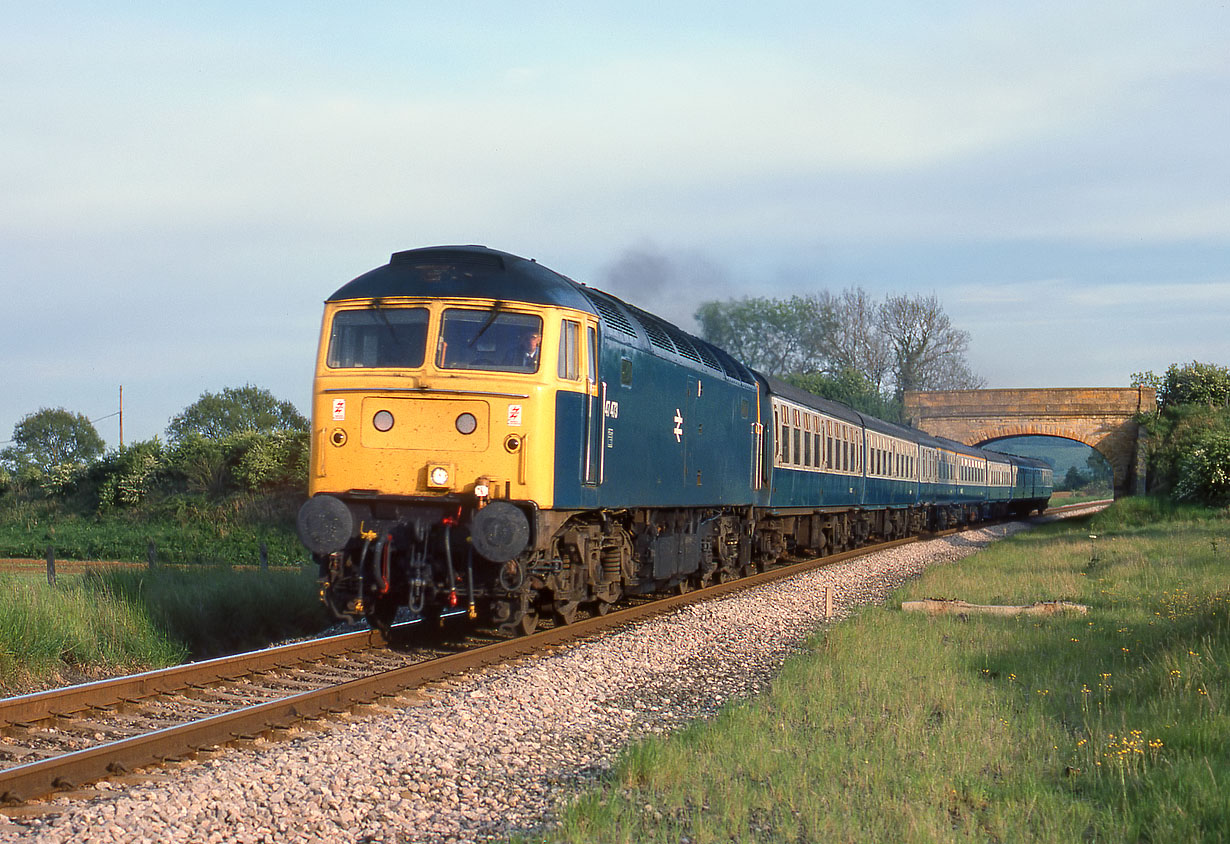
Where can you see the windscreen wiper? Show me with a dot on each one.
(495, 311)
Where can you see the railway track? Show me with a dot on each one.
(67, 738)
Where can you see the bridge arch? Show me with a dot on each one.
(1102, 418)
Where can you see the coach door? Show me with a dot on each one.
(597, 409)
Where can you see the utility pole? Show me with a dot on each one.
(121, 417)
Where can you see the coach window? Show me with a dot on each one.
(570, 350)
(785, 442)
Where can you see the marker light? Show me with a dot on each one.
(466, 423)
(383, 420)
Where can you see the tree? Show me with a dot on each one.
(1075, 479)
(852, 388)
(903, 343)
(233, 411)
(775, 336)
(856, 341)
(928, 351)
(52, 437)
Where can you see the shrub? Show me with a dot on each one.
(1176, 433)
(1196, 383)
(61, 479)
(1204, 473)
(276, 460)
(126, 477)
(203, 464)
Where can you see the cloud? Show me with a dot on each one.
(724, 134)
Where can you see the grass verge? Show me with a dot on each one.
(899, 727)
(108, 621)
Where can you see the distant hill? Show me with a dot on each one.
(1061, 454)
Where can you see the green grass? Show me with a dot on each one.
(72, 631)
(192, 605)
(899, 727)
(111, 620)
(215, 610)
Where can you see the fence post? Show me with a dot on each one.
(153, 555)
(264, 556)
(51, 566)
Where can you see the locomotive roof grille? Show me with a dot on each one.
(685, 347)
(609, 309)
(731, 366)
(663, 335)
(657, 336)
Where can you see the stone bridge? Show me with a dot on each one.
(1104, 418)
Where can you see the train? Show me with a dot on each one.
(490, 437)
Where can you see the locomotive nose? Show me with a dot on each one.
(324, 524)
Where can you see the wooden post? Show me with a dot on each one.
(51, 566)
(153, 555)
(264, 556)
(828, 602)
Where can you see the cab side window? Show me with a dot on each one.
(593, 355)
(570, 350)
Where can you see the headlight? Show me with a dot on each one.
(439, 476)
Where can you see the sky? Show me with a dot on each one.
(182, 185)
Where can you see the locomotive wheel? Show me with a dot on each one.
(528, 623)
(566, 611)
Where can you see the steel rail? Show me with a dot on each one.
(38, 706)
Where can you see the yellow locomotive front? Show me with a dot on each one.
(433, 419)
(389, 419)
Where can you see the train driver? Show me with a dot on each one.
(525, 355)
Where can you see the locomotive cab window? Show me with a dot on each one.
(592, 359)
(378, 337)
(491, 340)
(570, 350)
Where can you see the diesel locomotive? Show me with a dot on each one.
(490, 436)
